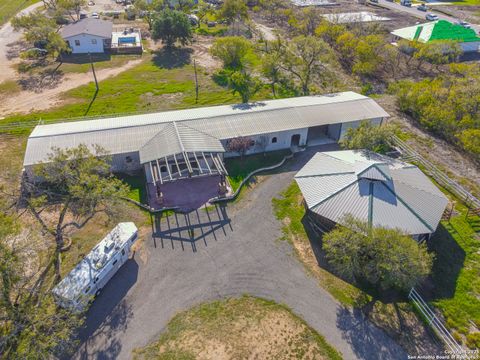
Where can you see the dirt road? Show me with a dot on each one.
(26, 101)
(8, 36)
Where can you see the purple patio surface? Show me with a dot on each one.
(187, 194)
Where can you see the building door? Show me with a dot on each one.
(295, 140)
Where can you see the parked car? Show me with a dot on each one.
(422, 7)
(193, 19)
(374, 1)
(465, 24)
(35, 53)
(407, 3)
(431, 17)
(91, 3)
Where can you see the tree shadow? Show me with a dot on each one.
(108, 315)
(14, 49)
(448, 262)
(366, 340)
(91, 102)
(171, 58)
(45, 79)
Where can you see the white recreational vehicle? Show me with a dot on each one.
(88, 278)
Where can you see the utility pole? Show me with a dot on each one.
(196, 80)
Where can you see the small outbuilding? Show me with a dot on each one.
(441, 30)
(88, 35)
(373, 188)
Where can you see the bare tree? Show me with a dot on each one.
(240, 145)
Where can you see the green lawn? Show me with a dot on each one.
(137, 185)
(238, 328)
(8, 8)
(456, 272)
(239, 168)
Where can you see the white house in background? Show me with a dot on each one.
(88, 36)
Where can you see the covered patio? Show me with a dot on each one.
(186, 194)
(183, 167)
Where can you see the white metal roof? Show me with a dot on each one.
(130, 133)
(74, 284)
(354, 17)
(373, 188)
(178, 138)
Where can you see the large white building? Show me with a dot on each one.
(180, 144)
(88, 35)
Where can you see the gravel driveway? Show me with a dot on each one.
(234, 251)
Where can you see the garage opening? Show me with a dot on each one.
(319, 135)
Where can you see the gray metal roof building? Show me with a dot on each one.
(373, 188)
(90, 26)
(200, 129)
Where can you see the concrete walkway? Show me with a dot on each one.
(232, 251)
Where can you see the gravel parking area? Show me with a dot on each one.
(231, 251)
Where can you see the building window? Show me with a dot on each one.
(128, 159)
(77, 42)
(163, 168)
(274, 140)
(94, 41)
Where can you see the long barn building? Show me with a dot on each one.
(184, 143)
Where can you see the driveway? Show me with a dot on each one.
(8, 36)
(231, 251)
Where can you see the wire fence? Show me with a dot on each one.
(434, 322)
(409, 154)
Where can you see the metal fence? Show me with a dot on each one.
(409, 154)
(434, 322)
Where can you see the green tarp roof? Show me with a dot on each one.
(437, 30)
